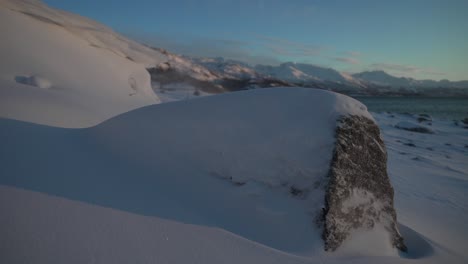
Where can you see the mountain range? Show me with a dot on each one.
(231, 75)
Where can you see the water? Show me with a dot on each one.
(445, 108)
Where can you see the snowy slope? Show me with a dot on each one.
(38, 228)
(187, 66)
(61, 69)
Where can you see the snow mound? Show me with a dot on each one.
(95, 73)
(246, 136)
(409, 126)
(178, 176)
(252, 163)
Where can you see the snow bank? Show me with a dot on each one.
(252, 163)
(246, 163)
(94, 73)
(37, 228)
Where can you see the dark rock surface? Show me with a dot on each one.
(359, 194)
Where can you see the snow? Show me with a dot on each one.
(301, 72)
(215, 185)
(368, 243)
(64, 231)
(430, 177)
(177, 92)
(186, 65)
(232, 178)
(76, 73)
(36, 81)
(227, 68)
(411, 126)
(232, 168)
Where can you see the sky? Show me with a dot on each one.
(423, 39)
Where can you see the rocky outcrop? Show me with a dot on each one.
(359, 194)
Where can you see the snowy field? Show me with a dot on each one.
(430, 175)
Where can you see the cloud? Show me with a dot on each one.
(258, 49)
(349, 57)
(403, 69)
(349, 60)
(205, 47)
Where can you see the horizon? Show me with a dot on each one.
(421, 40)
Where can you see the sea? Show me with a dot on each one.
(438, 107)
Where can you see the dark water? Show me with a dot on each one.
(446, 108)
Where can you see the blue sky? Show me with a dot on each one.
(415, 38)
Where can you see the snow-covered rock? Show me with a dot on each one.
(254, 163)
(359, 195)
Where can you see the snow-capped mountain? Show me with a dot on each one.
(308, 75)
(286, 74)
(229, 68)
(382, 78)
(300, 72)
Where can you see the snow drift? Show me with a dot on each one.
(254, 163)
(65, 70)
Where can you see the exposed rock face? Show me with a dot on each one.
(359, 194)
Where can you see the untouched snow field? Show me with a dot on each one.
(430, 175)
